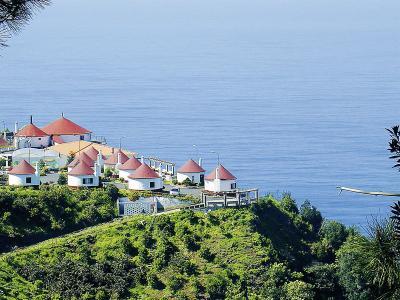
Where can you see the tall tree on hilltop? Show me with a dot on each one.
(16, 13)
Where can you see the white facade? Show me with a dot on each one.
(34, 142)
(145, 184)
(83, 180)
(75, 137)
(24, 180)
(193, 177)
(123, 174)
(218, 185)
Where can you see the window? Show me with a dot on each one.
(192, 178)
(152, 184)
(28, 180)
(82, 137)
(233, 186)
(87, 180)
(39, 139)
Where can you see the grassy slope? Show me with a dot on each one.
(244, 243)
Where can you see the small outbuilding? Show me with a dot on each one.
(31, 136)
(145, 179)
(129, 167)
(82, 175)
(116, 159)
(24, 175)
(191, 170)
(220, 180)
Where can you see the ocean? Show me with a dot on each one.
(294, 96)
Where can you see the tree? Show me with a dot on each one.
(70, 158)
(16, 13)
(62, 179)
(311, 215)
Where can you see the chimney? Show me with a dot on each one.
(96, 170)
(100, 158)
(142, 159)
(16, 127)
(160, 169)
(200, 161)
(112, 150)
(217, 172)
(37, 169)
(31, 119)
(119, 158)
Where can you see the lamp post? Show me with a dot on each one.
(120, 141)
(217, 155)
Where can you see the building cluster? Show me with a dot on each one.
(90, 164)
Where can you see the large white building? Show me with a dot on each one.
(82, 175)
(24, 175)
(192, 171)
(128, 168)
(220, 180)
(30, 136)
(64, 130)
(145, 179)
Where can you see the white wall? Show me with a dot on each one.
(125, 173)
(182, 176)
(36, 142)
(144, 184)
(77, 181)
(73, 138)
(20, 180)
(217, 185)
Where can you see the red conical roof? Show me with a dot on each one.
(131, 164)
(191, 167)
(82, 168)
(92, 152)
(31, 130)
(64, 126)
(82, 157)
(144, 172)
(113, 159)
(3, 142)
(23, 168)
(57, 139)
(224, 174)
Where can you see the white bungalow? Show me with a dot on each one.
(81, 157)
(24, 175)
(30, 136)
(220, 180)
(95, 155)
(116, 159)
(64, 130)
(191, 170)
(82, 175)
(145, 179)
(128, 168)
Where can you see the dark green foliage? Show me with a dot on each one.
(288, 204)
(108, 173)
(27, 216)
(62, 179)
(216, 286)
(311, 215)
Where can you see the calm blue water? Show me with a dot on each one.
(294, 95)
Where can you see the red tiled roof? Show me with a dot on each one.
(113, 159)
(64, 126)
(57, 139)
(82, 168)
(92, 152)
(224, 174)
(31, 130)
(3, 142)
(191, 167)
(23, 168)
(144, 172)
(131, 164)
(82, 157)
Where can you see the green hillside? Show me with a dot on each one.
(260, 252)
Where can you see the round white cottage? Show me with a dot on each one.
(220, 180)
(145, 179)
